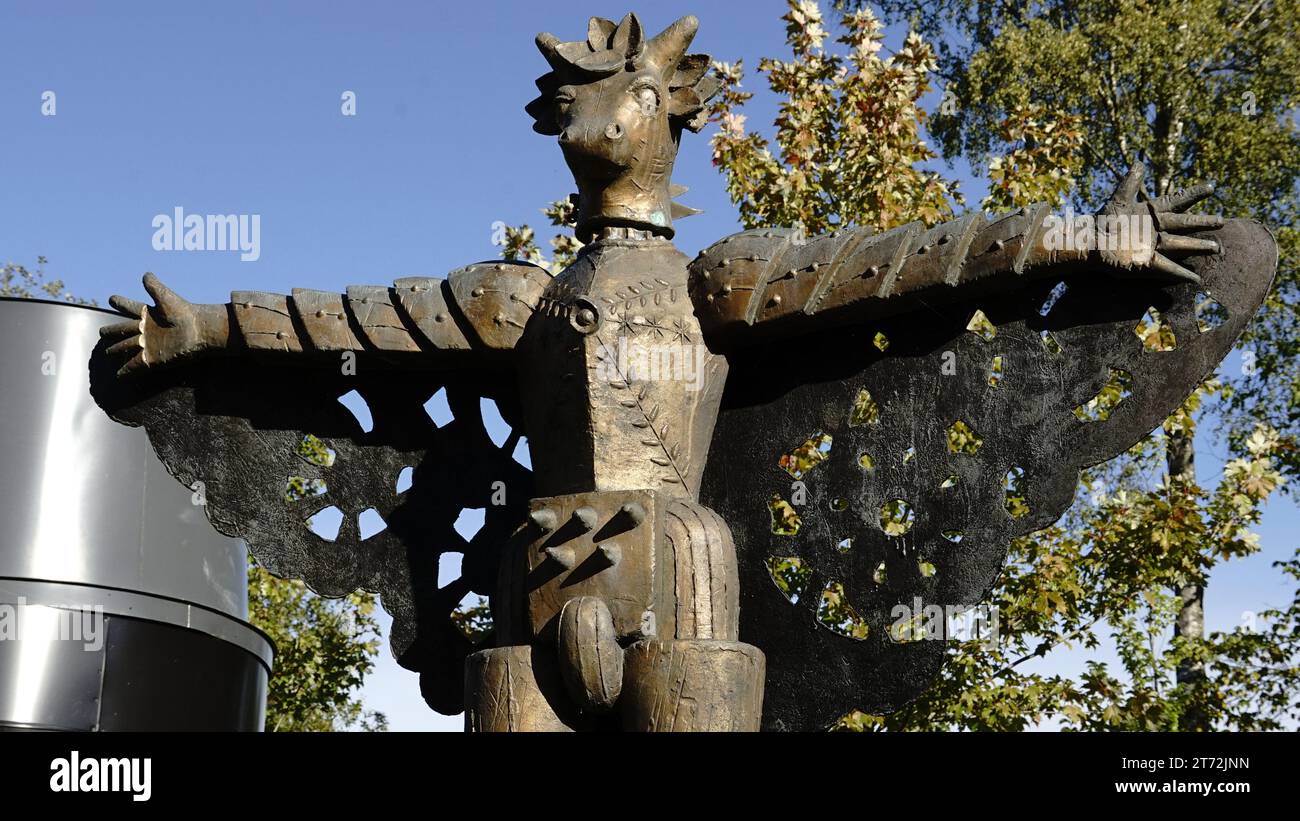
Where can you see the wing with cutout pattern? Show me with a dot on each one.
(1019, 419)
(238, 424)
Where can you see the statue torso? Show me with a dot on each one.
(619, 390)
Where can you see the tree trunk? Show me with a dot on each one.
(1180, 451)
(1180, 457)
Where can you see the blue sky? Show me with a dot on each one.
(234, 108)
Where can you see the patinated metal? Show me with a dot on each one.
(617, 569)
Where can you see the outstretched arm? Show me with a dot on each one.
(473, 317)
(761, 283)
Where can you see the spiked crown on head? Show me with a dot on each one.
(610, 48)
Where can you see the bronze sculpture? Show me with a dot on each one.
(616, 593)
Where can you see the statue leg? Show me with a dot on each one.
(639, 627)
(702, 678)
(692, 685)
(518, 689)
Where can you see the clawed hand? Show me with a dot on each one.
(1149, 256)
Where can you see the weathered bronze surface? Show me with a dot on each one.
(658, 395)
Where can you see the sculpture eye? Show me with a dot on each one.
(647, 100)
(562, 102)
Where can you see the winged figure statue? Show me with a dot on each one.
(719, 445)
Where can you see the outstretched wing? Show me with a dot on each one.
(248, 429)
(952, 409)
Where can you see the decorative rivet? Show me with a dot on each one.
(776, 299)
(440, 318)
(476, 292)
(583, 315)
(279, 334)
(873, 270)
(726, 289)
(320, 314)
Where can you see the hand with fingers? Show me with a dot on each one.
(170, 330)
(1149, 252)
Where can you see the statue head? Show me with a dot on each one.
(618, 102)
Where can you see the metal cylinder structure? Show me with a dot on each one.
(120, 607)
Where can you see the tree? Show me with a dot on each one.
(24, 283)
(324, 648)
(519, 242)
(1202, 89)
(842, 117)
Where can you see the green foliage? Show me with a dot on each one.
(895, 517)
(315, 451)
(1114, 562)
(848, 139)
(1267, 387)
(834, 611)
(807, 456)
(1202, 89)
(475, 620)
(1100, 407)
(1045, 155)
(791, 576)
(865, 411)
(963, 439)
(521, 243)
(324, 650)
(785, 521)
(24, 283)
